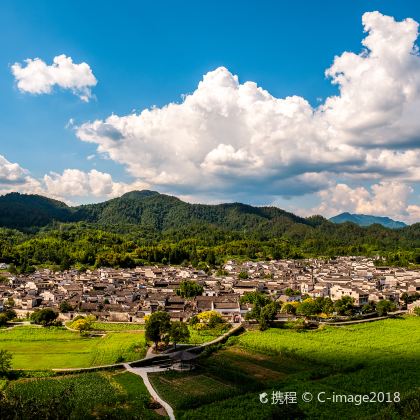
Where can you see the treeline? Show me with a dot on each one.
(82, 245)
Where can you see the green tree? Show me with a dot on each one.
(344, 306)
(368, 307)
(45, 317)
(65, 307)
(157, 327)
(189, 289)
(268, 313)
(179, 332)
(5, 361)
(385, 306)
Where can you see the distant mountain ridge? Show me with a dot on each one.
(155, 212)
(147, 209)
(367, 220)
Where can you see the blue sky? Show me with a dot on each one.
(146, 54)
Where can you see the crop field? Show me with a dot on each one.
(48, 348)
(118, 326)
(382, 356)
(83, 396)
(203, 336)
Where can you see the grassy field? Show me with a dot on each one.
(108, 395)
(47, 348)
(203, 336)
(373, 357)
(118, 326)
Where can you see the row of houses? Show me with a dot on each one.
(130, 294)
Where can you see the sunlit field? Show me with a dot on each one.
(83, 396)
(49, 348)
(382, 356)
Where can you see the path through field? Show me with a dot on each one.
(142, 372)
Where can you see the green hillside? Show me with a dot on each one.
(147, 227)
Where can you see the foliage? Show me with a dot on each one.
(45, 317)
(384, 306)
(417, 310)
(263, 309)
(157, 327)
(290, 292)
(146, 227)
(5, 361)
(189, 289)
(179, 332)
(208, 319)
(7, 316)
(65, 307)
(83, 324)
(344, 306)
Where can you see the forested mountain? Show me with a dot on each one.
(367, 220)
(143, 227)
(145, 209)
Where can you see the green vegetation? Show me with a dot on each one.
(54, 347)
(45, 317)
(147, 227)
(5, 361)
(83, 323)
(158, 326)
(189, 289)
(372, 357)
(263, 310)
(117, 326)
(385, 306)
(179, 332)
(7, 316)
(109, 395)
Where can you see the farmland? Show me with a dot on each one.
(380, 356)
(83, 396)
(48, 348)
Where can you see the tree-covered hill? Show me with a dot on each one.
(148, 227)
(145, 209)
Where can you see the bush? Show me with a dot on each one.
(45, 317)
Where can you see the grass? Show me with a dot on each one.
(373, 357)
(205, 335)
(47, 348)
(118, 326)
(119, 395)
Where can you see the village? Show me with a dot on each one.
(128, 295)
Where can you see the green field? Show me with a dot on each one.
(372, 357)
(108, 395)
(206, 335)
(48, 348)
(118, 326)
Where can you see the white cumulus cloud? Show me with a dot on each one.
(37, 77)
(228, 137)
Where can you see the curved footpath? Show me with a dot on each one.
(142, 372)
(150, 359)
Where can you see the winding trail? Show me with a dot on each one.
(142, 372)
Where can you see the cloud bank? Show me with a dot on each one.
(37, 77)
(228, 137)
(231, 140)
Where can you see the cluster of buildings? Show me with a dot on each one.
(130, 294)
